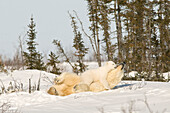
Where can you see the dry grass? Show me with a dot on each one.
(131, 106)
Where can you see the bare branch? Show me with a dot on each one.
(61, 50)
(85, 32)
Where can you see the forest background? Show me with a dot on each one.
(134, 31)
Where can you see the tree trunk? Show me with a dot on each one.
(119, 30)
(29, 86)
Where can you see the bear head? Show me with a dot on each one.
(110, 65)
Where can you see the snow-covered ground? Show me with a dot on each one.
(136, 96)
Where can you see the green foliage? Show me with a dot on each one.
(146, 41)
(33, 59)
(94, 18)
(80, 52)
(52, 62)
(63, 54)
(80, 49)
(105, 23)
(0, 63)
(2, 69)
(143, 41)
(60, 49)
(39, 64)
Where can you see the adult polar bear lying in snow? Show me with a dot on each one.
(99, 74)
(68, 83)
(113, 78)
(64, 84)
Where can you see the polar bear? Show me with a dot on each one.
(64, 84)
(99, 74)
(113, 78)
(69, 83)
(69, 79)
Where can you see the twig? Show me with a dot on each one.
(29, 86)
(58, 44)
(3, 87)
(46, 78)
(101, 109)
(38, 86)
(85, 32)
(2, 83)
(130, 108)
(146, 103)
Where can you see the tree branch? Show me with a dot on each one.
(85, 32)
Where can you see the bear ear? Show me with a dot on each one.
(107, 63)
(110, 62)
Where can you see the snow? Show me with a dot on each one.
(133, 73)
(24, 76)
(65, 67)
(128, 95)
(166, 75)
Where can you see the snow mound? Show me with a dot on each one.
(22, 77)
(166, 75)
(133, 74)
(128, 95)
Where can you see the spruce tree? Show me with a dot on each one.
(61, 51)
(105, 22)
(164, 31)
(33, 59)
(0, 62)
(1, 65)
(93, 13)
(118, 4)
(39, 64)
(52, 62)
(78, 44)
(80, 52)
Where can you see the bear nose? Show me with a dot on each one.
(123, 65)
(75, 87)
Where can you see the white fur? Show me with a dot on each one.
(99, 74)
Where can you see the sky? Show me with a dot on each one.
(51, 18)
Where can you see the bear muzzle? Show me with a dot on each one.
(122, 64)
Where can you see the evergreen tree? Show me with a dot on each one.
(81, 51)
(79, 46)
(33, 59)
(93, 11)
(0, 62)
(135, 40)
(105, 22)
(118, 4)
(39, 64)
(63, 54)
(52, 62)
(164, 31)
(143, 42)
(1, 65)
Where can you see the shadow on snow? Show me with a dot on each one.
(121, 86)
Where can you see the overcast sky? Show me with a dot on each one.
(51, 18)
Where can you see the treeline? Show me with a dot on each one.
(31, 58)
(134, 31)
(141, 28)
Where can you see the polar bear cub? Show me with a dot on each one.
(99, 74)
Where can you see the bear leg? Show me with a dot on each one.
(105, 83)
